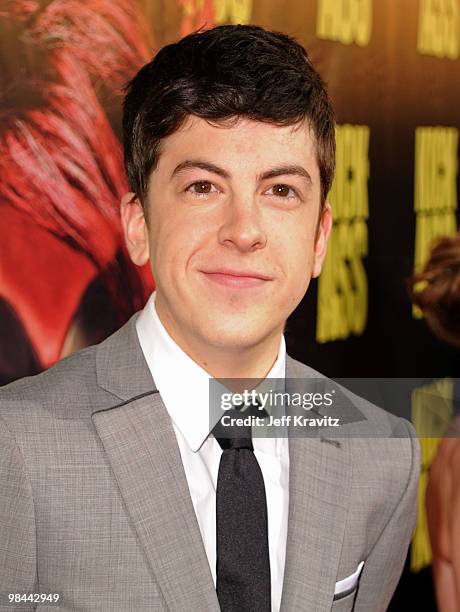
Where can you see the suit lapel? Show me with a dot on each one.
(141, 446)
(319, 486)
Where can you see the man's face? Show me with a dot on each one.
(232, 241)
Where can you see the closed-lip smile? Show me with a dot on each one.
(238, 273)
(236, 278)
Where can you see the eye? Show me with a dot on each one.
(284, 191)
(201, 188)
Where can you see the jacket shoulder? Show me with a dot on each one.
(376, 422)
(67, 389)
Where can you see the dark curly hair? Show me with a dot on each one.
(226, 72)
(436, 290)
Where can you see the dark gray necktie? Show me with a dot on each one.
(243, 564)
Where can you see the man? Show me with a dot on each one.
(115, 492)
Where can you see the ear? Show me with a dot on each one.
(321, 240)
(134, 228)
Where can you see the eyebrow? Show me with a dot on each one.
(289, 169)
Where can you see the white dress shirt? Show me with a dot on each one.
(184, 389)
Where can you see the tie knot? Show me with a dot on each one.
(235, 443)
(234, 436)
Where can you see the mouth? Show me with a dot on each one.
(239, 279)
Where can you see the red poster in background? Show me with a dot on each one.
(66, 280)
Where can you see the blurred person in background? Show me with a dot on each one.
(436, 290)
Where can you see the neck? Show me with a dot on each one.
(252, 362)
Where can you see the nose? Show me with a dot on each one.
(242, 225)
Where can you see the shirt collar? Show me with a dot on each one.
(182, 383)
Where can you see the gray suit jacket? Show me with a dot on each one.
(94, 502)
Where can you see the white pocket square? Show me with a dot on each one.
(348, 585)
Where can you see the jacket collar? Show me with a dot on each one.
(121, 368)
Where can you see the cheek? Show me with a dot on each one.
(173, 247)
(297, 257)
(299, 275)
(297, 252)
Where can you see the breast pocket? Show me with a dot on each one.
(345, 591)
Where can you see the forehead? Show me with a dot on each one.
(242, 143)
